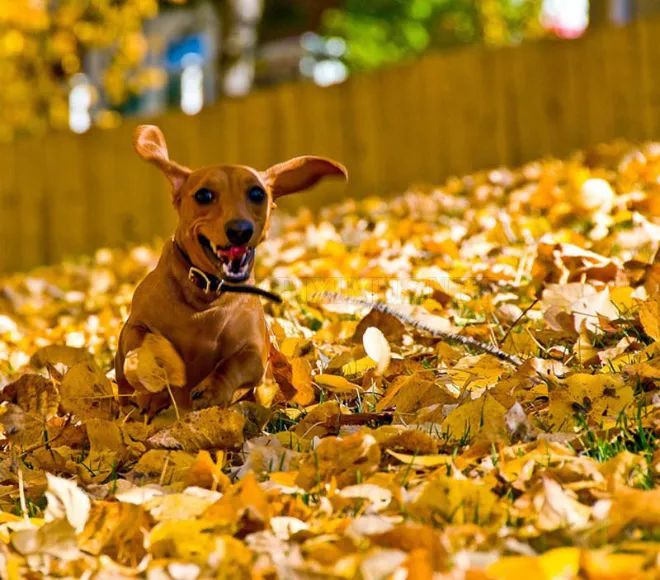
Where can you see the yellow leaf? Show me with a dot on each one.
(649, 316)
(348, 459)
(457, 501)
(179, 506)
(409, 393)
(515, 567)
(593, 396)
(421, 460)
(21, 428)
(608, 566)
(561, 563)
(477, 372)
(313, 424)
(244, 497)
(162, 466)
(336, 384)
(557, 564)
(301, 379)
(192, 540)
(293, 347)
(358, 367)
(205, 472)
(481, 418)
(106, 447)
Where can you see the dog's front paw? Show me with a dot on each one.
(211, 392)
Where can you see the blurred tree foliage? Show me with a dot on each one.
(379, 32)
(42, 46)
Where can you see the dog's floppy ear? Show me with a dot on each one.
(149, 142)
(300, 173)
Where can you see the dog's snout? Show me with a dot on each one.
(239, 232)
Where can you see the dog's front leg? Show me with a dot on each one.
(243, 369)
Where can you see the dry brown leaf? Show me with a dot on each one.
(116, 529)
(163, 467)
(212, 428)
(391, 327)
(348, 460)
(86, 392)
(26, 430)
(408, 394)
(34, 394)
(53, 354)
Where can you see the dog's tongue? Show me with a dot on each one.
(235, 252)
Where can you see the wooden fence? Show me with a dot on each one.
(446, 113)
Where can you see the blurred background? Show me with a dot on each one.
(401, 91)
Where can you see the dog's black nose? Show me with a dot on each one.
(239, 232)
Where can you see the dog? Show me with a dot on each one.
(201, 296)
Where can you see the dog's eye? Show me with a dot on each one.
(204, 196)
(256, 194)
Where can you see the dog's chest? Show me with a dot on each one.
(200, 338)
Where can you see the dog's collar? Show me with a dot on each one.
(211, 284)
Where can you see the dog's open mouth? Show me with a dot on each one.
(234, 262)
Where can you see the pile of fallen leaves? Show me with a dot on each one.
(373, 449)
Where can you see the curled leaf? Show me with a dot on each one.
(377, 348)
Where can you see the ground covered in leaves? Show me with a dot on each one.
(373, 449)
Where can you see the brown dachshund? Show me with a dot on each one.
(201, 296)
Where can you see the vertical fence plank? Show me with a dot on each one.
(493, 104)
(530, 83)
(599, 90)
(432, 71)
(621, 61)
(288, 131)
(256, 133)
(319, 112)
(558, 103)
(29, 202)
(231, 131)
(10, 235)
(103, 179)
(66, 197)
(455, 124)
(362, 120)
(649, 46)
